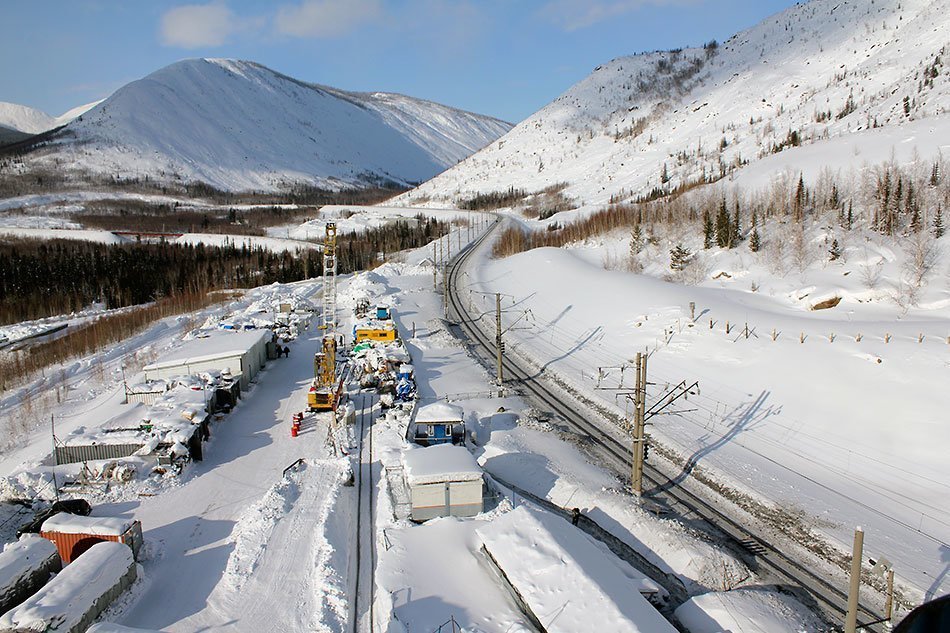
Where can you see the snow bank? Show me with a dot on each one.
(444, 462)
(747, 610)
(568, 583)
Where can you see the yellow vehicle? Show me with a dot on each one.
(323, 394)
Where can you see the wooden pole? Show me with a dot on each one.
(851, 619)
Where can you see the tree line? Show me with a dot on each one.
(44, 278)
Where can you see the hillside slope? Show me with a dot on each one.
(27, 120)
(652, 122)
(238, 126)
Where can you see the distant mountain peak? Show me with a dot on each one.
(238, 125)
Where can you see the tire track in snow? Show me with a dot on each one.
(282, 575)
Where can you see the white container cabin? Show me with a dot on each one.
(443, 480)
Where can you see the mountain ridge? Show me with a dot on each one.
(648, 124)
(238, 125)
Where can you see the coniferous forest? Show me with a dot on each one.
(45, 278)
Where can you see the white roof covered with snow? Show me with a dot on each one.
(22, 557)
(569, 583)
(440, 412)
(374, 324)
(66, 523)
(65, 599)
(221, 344)
(440, 463)
(169, 419)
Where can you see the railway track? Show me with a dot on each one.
(821, 593)
(365, 584)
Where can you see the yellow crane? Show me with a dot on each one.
(324, 391)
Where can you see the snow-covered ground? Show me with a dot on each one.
(276, 244)
(234, 542)
(418, 579)
(357, 218)
(834, 433)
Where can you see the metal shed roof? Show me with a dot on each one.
(218, 345)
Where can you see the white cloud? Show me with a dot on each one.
(577, 14)
(198, 25)
(325, 18)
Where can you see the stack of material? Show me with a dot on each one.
(73, 599)
(563, 580)
(25, 566)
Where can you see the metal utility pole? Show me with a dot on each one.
(498, 342)
(638, 423)
(445, 291)
(851, 620)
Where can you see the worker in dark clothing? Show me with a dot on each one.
(286, 352)
(575, 516)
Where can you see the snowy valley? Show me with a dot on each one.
(761, 221)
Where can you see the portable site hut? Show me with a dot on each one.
(242, 354)
(73, 535)
(71, 601)
(374, 330)
(438, 423)
(443, 481)
(25, 566)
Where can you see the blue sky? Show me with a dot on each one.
(506, 58)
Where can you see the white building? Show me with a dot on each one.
(242, 354)
(443, 480)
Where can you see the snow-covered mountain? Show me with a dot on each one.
(238, 125)
(29, 120)
(825, 69)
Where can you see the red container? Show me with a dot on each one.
(71, 545)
